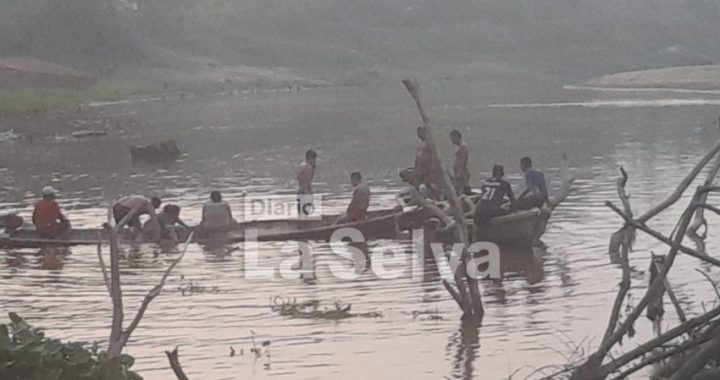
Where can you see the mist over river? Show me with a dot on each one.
(547, 303)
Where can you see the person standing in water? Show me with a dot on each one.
(305, 176)
(461, 173)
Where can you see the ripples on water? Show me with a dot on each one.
(545, 305)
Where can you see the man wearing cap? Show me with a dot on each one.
(47, 217)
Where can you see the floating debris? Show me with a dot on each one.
(192, 287)
(311, 309)
(87, 133)
(9, 135)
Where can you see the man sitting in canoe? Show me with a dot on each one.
(461, 173)
(216, 215)
(494, 191)
(305, 176)
(357, 209)
(535, 193)
(169, 219)
(47, 217)
(139, 205)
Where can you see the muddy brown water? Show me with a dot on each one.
(546, 305)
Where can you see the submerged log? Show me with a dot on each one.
(161, 151)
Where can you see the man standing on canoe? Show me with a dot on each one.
(138, 205)
(47, 217)
(426, 171)
(461, 173)
(494, 192)
(305, 176)
(535, 193)
(357, 209)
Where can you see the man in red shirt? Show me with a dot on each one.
(47, 218)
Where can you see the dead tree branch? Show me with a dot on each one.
(119, 336)
(699, 219)
(473, 303)
(590, 368)
(675, 195)
(658, 236)
(671, 295)
(174, 359)
(710, 280)
(626, 241)
(103, 267)
(671, 334)
(697, 362)
(115, 293)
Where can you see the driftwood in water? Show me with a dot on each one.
(161, 151)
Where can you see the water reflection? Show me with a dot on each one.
(463, 346)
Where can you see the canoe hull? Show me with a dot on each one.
(522, 228)
(380, 224)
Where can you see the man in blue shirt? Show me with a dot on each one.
(535, 193)
(494, 191)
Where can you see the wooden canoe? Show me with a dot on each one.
(380, 224)
(522, 228)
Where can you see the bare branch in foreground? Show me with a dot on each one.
(174, 359)
(118, 336)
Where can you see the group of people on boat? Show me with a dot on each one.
(50, 222)
(426, 176)
(495, 195)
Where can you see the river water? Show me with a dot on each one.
(547, 305)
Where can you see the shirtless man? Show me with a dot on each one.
(141, 206)
(461, 173)
(305, 176)
(216, 215)
(357, 209)
(169, 219)
(425, 170)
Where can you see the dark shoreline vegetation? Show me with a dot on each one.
(27, 353)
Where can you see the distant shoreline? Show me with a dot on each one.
(681, 78)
